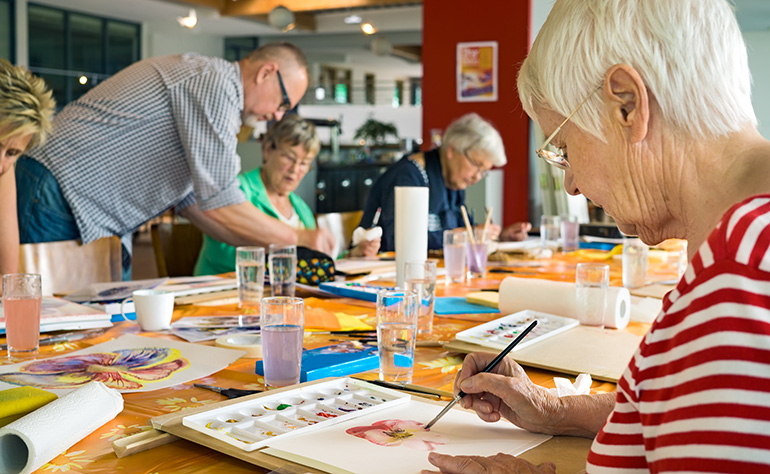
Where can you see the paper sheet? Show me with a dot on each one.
(128, 364)
(457, 433)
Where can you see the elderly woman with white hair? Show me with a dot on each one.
(647, 104)
(470, 148)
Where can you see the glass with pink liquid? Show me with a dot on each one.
(283, 327)
(21, 307)
(455, 247)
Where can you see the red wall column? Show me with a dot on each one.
(448, 22)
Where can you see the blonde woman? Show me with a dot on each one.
(26, 108)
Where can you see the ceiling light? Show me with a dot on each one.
(281, 17)
(352, 19)
(188, 21)
(368, 28)
(83, 80)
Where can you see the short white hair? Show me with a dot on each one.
(690, 54)
(471, 132)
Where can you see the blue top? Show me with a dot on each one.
(443, 204)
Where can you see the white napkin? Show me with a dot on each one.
(361, 234)
(564, 387)
(33, 440)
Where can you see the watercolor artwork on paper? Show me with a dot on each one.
(393, 433)
(127, 364)
(395, 437)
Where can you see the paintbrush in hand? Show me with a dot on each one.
(488, 368)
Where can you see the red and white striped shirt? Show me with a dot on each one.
(696, 395)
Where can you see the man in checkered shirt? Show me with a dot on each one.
(161, 133)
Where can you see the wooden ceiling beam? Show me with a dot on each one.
(263, 7)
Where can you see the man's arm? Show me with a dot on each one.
(244, 224)
(9, 233)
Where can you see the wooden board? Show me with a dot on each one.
(568, 453)
(602, 353)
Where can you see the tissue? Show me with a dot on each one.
(361, 234)
(564, 387)
(33, 440)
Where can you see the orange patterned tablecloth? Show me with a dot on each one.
(434, 367)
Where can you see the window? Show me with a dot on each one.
(415, 91)
(7, 31)
(73, 52)
(369, 88)
(398, 94)
(238, 48)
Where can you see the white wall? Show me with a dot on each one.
(758, 43)
(164, 39)
(407, 119)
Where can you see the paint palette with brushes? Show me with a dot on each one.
(253, 423)
(498, 333)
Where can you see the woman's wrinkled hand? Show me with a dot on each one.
(498, 464)
(506, 392)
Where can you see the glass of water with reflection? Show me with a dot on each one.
(283, 269)
(250, 271)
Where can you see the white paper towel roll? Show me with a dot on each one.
(411, 227)
(559, 298)
(33, 440)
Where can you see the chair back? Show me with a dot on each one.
(176, 246)
(342, 225)
(68, 265)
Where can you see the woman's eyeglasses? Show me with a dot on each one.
(557, 158)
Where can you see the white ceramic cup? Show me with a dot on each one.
(153, 309)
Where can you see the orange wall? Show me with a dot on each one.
(447, 22)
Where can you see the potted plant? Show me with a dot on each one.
(375, 132)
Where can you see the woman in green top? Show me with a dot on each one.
(288, 150)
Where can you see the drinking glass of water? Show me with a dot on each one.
(396, 334)
(592, 281)
(421, 278)
(549, 232)
(283, 269)
(250, 266)
(22, 299)
(570, 233)
(455, 246)
(635, 258)
(283, 327)
(477, 254)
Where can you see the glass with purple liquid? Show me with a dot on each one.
(477, 255)
(455, 248)
(283, 327)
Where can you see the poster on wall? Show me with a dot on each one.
(477, 71)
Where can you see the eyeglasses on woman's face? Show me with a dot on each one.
(478, 166)
(557, 158)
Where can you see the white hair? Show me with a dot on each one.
(690, 54)
(471, 132)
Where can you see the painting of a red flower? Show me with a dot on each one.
(392, 433)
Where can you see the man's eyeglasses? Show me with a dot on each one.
(479, 168)
(285, 103)
(557, 158)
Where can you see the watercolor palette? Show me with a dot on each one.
(500, 332)
(255, 422)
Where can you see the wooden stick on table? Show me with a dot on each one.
(139, 442)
